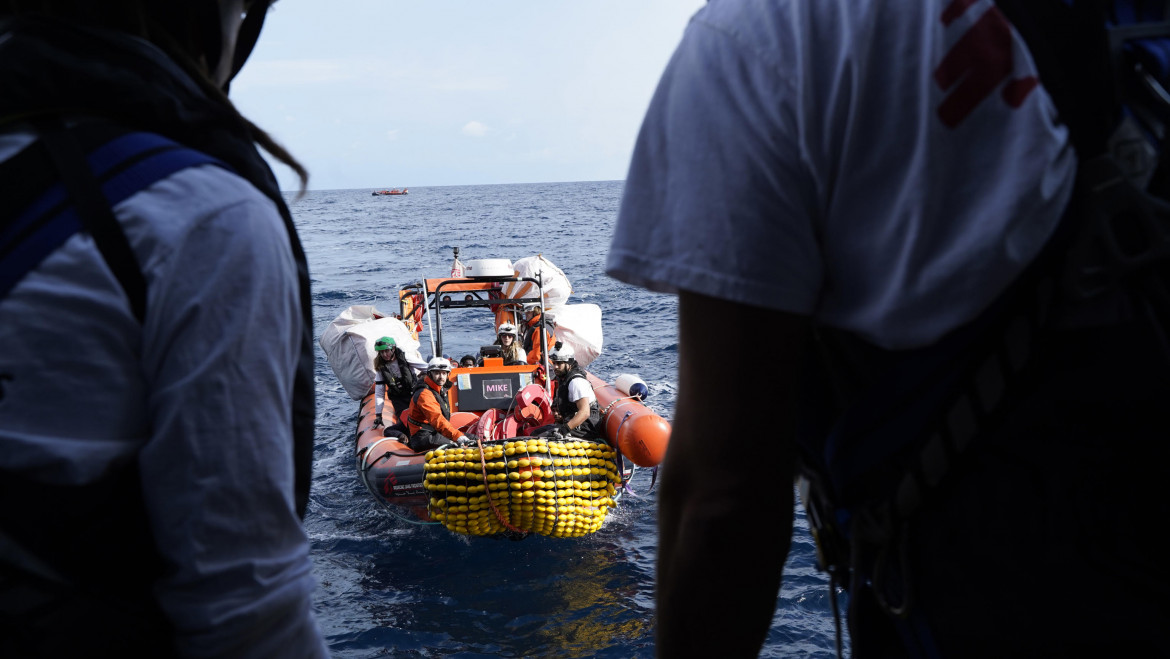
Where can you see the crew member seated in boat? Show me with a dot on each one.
(508, 338)
(394, 378)
(574, 404)
(428, 419)
(537, 331)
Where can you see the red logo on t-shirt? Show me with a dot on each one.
(977, 64)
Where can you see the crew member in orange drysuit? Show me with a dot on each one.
(428, 419)
(538, 331)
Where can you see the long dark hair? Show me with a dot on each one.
(379, 361)
(187, 31)
(509, 352)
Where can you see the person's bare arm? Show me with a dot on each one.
(726, 504)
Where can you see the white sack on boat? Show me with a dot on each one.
(348, 343)
(579, 325)
(556, 285)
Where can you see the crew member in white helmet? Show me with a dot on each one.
(429, 416)
(574, 403)
(508, 338)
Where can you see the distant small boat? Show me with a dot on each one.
(394, 191)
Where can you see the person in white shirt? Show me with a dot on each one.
(574, 403)
(854, 185)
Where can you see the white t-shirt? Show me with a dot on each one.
(199, 395)
(885, 167)
(580, 388)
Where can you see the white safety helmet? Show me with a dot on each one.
(563, 352)
(439, 364)
(508, 328)
(529, 307)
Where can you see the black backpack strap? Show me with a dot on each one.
(1071, 49)
(96, 214)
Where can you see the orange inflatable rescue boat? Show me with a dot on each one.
(508, 480)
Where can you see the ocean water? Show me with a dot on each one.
(391, 587)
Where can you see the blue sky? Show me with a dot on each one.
(388, 93)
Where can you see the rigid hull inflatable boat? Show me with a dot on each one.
(506, 481)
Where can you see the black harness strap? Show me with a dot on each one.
(94, 209)
(1080, 46)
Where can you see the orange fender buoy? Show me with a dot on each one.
(641, 435)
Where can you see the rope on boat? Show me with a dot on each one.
(626, 478)
(618, 433)
(615, 402)
(625, 487)
(491, 500)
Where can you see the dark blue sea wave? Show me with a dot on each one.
(389, 587)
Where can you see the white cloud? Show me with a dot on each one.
(484, 84)
(475, 129)
(392, 135)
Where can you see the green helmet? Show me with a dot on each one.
(384, 343)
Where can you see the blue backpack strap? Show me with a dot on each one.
(76, 192)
